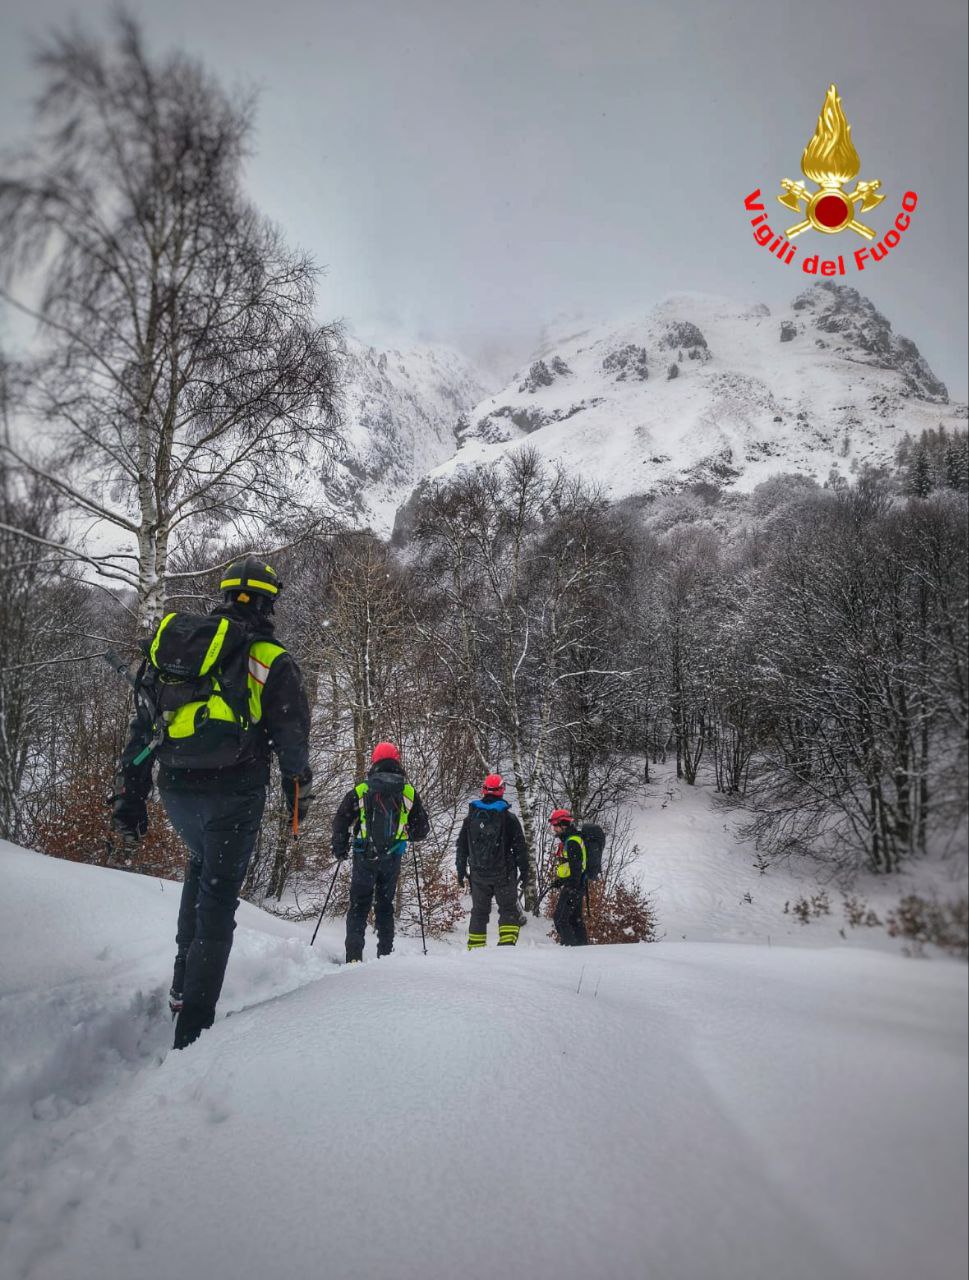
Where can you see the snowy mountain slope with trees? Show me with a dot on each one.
(708, 882)
(704, 390)
(696, 1110)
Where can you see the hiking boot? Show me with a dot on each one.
(192, 1021)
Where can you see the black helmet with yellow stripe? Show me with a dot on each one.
(250, 578)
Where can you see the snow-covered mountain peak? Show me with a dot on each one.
(702, 388)
(699, 388)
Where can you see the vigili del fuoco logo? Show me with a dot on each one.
(831, 163)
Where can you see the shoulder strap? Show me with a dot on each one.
(361, 789)
(215, 648)
(408, 803)
(156, 640)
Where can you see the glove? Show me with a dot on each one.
(461, 879)
(306, 797)
(341, 855)
(129, 817)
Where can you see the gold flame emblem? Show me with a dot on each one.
(830, 160)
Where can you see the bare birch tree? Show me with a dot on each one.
(180, 378)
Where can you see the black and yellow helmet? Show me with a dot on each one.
(250, 577)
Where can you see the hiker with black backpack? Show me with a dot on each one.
(384, 813)
(214, 694)
(491, 852)
(570, 877)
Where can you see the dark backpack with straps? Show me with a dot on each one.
(487, 857)
(594, 839)
(194, 677)
(384, 803)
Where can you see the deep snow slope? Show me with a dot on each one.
(690, 1110)
(702, 389)
(709, 884)
(400, 410)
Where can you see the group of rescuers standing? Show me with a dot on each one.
(215, 695)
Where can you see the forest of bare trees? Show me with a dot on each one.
(800, 650)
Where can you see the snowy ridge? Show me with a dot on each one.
(400, 409)
(702, 389)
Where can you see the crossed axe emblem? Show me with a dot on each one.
(865, 194)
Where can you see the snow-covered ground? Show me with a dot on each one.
(708, 885)
(719, 1107)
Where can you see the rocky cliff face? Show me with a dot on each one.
(846, 323)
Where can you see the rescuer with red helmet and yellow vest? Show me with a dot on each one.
(384, 812)
(570, 864)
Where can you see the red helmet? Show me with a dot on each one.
(560, 815)
(493, 785)
(385, 751)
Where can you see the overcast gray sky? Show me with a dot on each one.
(468, 171)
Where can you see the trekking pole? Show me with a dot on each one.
(420, 909)
(295, 809)
(326, 903)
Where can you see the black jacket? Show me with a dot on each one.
(284, 728)
(347, 817)
(513, 854)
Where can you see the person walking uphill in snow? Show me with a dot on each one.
(385, 813)
(491, 852)
(570, 866)
(215, 693)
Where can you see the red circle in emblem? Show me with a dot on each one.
(832, 211)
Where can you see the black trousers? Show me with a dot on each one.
(482, 892)
(372, 883)
(568, 921)
(220, 831)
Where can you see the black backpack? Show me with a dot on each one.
(195, 680)
(486, 835)
(384, 803)
(594, 839)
